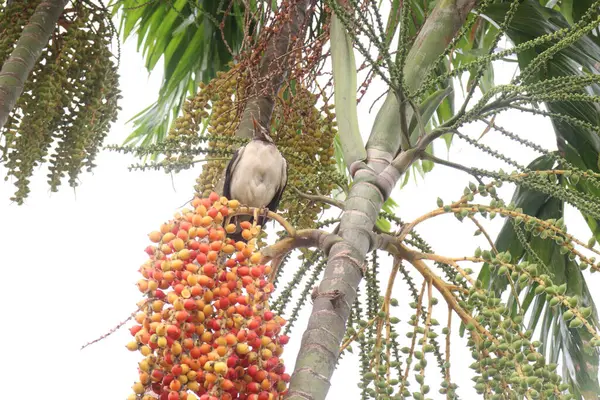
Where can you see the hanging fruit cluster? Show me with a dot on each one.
(69, 100)
(305, 134)
(205, 328)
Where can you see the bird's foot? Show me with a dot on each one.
(260, 217)
(255, 219)
(265, 211)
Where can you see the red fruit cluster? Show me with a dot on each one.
(205, 328)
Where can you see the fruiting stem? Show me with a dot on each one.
(385, 307)
(321, 198)
(427, 321)
(303, 238)
(357, 334)
(449, 327)
(416, 260)
(450, 164)
(116, 328)
(414, 339)
(485, 233)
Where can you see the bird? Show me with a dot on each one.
(256, 175)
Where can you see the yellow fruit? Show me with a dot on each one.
(255, 258)
(220, 368)
(138, 388)
(157, 305)
(152, 285)
(192, 280)
(145, 350)
(167, 237)
(177, 265)
(144, 365)
(178, 305)
(172, 297)
(161, 329)
(178, 244)
(132, 346)
(176, 348)
(206, 221)
(142, 285)
(242, 348)
(183, 254)
(155, 236)
(230, 228)
(266, 354)
(246, 234)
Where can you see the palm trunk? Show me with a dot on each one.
(32, 42)
(273, 69)
(373, 183)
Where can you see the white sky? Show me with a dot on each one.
(71, 258)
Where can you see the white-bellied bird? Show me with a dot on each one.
(257, 174)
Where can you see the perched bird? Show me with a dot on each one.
(257, 174)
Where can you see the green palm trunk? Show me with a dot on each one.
(373, 183)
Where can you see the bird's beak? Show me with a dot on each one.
(255, 123)
(260, 132)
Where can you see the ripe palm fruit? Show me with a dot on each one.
(205, 326)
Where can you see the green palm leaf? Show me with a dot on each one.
(580, 145)
(187, 37)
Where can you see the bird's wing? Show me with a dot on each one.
(229, 171)
(277, 198)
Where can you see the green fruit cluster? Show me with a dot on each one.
(69, 100)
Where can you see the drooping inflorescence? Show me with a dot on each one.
(205, 327)
(69, 100)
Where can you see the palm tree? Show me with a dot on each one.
(530, 307)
